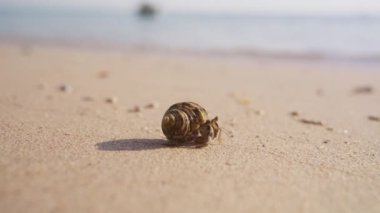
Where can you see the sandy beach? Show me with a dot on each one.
(299, 136)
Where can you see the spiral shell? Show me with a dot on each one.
(182, 120)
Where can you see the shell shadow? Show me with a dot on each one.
(132, 144)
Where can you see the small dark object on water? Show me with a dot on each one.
(312, 122)
(363, 90)
(373, 118)
(188, 123)
(147, 10)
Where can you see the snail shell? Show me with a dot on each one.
(181, 120)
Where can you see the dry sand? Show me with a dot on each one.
(70, 143)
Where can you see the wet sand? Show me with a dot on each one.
(75, 135)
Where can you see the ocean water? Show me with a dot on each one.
(331, 37)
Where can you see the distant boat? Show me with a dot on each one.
(147, 10)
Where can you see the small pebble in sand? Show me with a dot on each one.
(363, 90)
(259, 112)
(87, 98)
(152, 105)
(41, 86)
(112, 100)
(319, 92)
(326, 141)
(228, 163)
(231, 134)
(66, 88)
(373, 118)
(135, 109)
(103, 74)
(232, 122)
(345, 131)
(294, 113)
(329, 129)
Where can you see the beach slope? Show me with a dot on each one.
(80, 131)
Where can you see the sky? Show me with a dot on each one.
(260, 6)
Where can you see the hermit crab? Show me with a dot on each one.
(188, 123)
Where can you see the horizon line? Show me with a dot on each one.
(71, 8)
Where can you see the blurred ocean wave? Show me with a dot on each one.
(315, 37)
